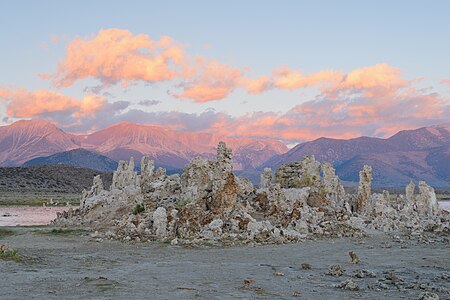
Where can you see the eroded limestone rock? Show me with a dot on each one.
(349, 284)
(409, 190)
(332, 185)
(160, 221)
(364, 189)
(208, 202)
(426, 201)
(94, 192)
(305, 173)
(335, 270)
(354, 259)
(125, 177)
(147, 168)
(266, 178)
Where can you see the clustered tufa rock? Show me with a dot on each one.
(208, 202)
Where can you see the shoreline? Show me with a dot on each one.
(74, 266)
(5, 221)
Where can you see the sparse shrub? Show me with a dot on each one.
(307, 181)
(322, 190)
(7, 253)
(138, 209)
(302, 182)
(5, 232)
(295, 183)
(182, 202)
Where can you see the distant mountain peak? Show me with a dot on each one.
(26, 140)
(131, 125)
(419, 154)
(422, 153)
(22, 124)
(78, 157)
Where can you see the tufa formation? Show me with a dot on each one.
(209, 203)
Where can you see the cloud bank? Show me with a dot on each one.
(340, 116)
(117, 56)
(373, 100)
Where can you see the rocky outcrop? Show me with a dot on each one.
(332, 185)
(147, 169)
(266, 178)
(125, 177)
(299, 174)
(426, 201)
(208, 202)
(211, 183)
(410, 213)
(409, 192)
(160, 221)
(364, 190)
(95, 196)
(96, 189)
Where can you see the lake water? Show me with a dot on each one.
(39, 215)
(445, 205)
(29, 215)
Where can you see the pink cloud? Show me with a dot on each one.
(372, 80)
(21, 103)
(291, 80)
(372, 100)
(116, 55)
(323, 117)
(256, 86)
(213, 81)
(343, 117)
(54, 39)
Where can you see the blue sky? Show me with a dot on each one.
(259, 36)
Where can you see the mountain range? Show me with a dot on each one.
(420, 154)
(78, 158)
(23, 141)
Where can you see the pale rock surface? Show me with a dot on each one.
(349, 284)
(364, 190)
(266, 178)
(299, 174)
(332, 185)
(160, 221)
(91, 197)
(426, 201)
(208, 202)
(409, 195)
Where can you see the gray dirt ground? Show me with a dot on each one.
(78, 267)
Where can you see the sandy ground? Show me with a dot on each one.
(78, 267)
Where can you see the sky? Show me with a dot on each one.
(289, 70)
